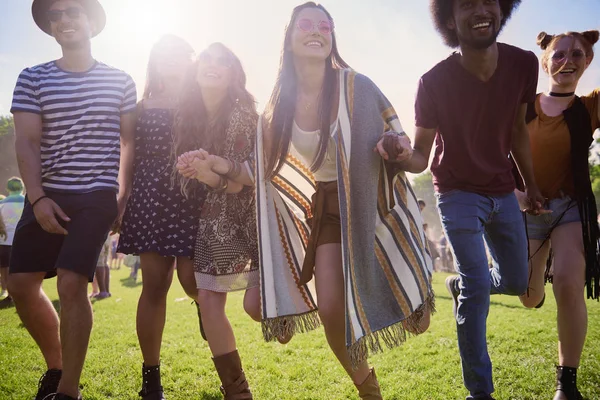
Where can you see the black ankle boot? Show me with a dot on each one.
(151, 386)
(60, 396)
(566, 384)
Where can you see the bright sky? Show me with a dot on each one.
(391, 41)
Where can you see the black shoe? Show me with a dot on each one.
(541, 302)
(452, 287)
(60, 396)
(482, 397)
(7, 303)
(48, 383)
(157, 395)
(200, 321)
(566, 384)
(151, 387)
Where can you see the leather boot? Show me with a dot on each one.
(233, 381)
(369, 389)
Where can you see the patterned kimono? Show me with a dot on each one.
(225, 255)
(386, 261)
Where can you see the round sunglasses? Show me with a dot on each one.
(307, 25)
(220, 61)
(560, 56)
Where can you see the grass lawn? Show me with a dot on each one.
(522, 344)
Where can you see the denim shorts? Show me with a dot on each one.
(564, 211)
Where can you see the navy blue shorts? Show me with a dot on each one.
(35, 250)
(4, 256)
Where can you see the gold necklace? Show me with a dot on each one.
(308, 104)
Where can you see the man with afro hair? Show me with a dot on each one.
(473, 106)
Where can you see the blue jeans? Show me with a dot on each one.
(468, 219)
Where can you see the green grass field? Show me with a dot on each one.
(522, 345)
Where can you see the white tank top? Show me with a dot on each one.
(307, 145)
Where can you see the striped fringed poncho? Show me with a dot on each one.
(386, 262)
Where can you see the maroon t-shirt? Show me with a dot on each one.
(474, 120)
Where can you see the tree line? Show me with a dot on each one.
(422, 184)
(8, 159)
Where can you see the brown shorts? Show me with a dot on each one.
(325, 224)
(325, 207)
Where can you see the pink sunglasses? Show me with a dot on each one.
(307, 25)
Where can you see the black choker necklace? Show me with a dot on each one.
(555, 94)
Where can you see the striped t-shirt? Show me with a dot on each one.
(81, 119)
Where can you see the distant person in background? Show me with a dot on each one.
(561, 127)
(115, 259)
(103, 271)
(445, 254)
(11, 209)
(135, 268)
(3, 237)
(95, 288)
(74, 149)
(433, 251)
(133, 263)
(102, 259)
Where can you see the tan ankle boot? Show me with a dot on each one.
(369, 389)
(234, 384)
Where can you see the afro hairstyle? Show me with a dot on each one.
(441, 12)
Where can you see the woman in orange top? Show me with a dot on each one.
(561, 127)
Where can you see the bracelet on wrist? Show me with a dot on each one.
(223, 184)
(38, 200)
(389, 133)
(235, 168)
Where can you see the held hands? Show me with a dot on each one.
(196, 164)
(394, 147)
(531, 201)
(121, 205)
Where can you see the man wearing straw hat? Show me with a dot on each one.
(74, 124)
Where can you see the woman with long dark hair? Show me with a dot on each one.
(159, 224)
(217, 114)
(328, 204)
(561, 126)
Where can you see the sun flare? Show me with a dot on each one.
(141, 23)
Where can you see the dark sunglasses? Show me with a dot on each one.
(307, 25)
(71, 12)
(561, 56)
(221, 61)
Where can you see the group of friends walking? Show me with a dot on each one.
(314, 187)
